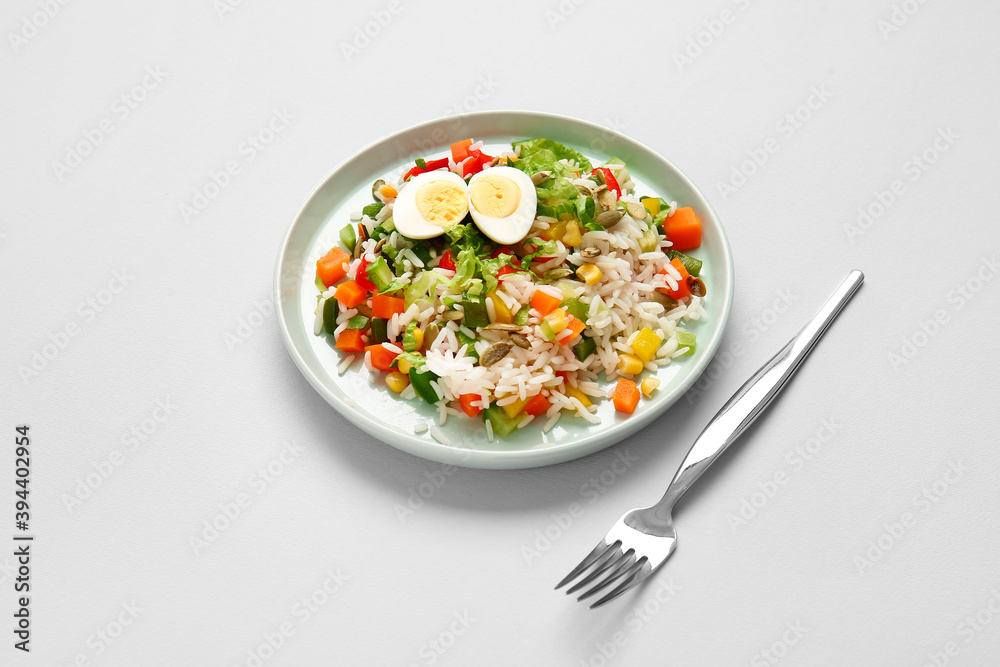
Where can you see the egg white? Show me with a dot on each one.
(514, 227)
(407, 217)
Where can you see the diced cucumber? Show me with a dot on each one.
(501, 423)
(380, 273)
(685, 339)
(475, 310)
(330, 311)
(422, 384)
(692, 265)
(586, 347)
(380, 330)
(421, 251)
(349, 237)
(521, 317)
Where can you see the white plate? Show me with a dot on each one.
(364, 399)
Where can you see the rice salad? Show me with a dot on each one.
(503, 287)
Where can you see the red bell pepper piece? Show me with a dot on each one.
(446, 262)
(361, 277)
(609, 180)
(477, 160)
(431, 165)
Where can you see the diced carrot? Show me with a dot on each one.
(460, 151)
(386, 306)
(626, 396)
(330, 268)
(381, 357)
(467, 406)
(575, 327)
(683, 229)
(544, 302)
(538, 405)
(683, 287)
(350, 293)
(350, 340)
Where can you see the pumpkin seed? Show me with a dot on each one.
(599, 176)
(557, 273)
(697, 286)
(450, 315)
(609, 218)
(590, 252)
(521, 341)
(375, 186)
(495, 353)
(637, 211)
(662, 299)
(606, 199)
(540, 177)
(378, 246)
(584, 190)
(501, 326)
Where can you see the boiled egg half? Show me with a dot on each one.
(429, 203)
(502, 201)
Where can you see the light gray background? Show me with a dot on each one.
(884, 95)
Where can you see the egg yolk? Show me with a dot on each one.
(494, 195)
(442, 203)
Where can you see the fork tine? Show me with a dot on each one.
(612, 563)
(601, 549)
(624, 569)
(638, 576)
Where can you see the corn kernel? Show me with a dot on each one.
(574, 392)
(571, 237)
(502, 314)
(387, 191)
(418, 337)
(589, 273)
(648, 386)
(403, 365)
(645, 344)
(629, 364)
(397, 381)
(514, 409)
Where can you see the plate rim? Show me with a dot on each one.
(500, 459)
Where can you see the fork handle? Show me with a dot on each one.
(754, 396)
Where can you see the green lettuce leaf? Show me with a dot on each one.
(537, 152)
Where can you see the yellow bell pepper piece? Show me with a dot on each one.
(514, 409)
(574, 392)
(645, 344)
(500, 309)
(652, 204)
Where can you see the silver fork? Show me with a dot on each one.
(643, 538)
